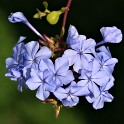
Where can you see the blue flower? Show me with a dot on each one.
(16, 74)
(15, 65)
(111, 34)
(81, 55)
(104, 96)
(82, 51)
(92, 80)
(33, 54)
(68, 96)
(37, 81)
(106, 62)
(17, 56)
(59, 72)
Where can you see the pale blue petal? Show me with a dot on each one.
(42, 94)
(100, 78)
(34, 73)
(102, 56)
(98, 103)
(61, 65)
(109, 84)
(21, 39)
(33, 83)
(90, 98)
(81, 91)
(48, 75)
(57, 82)
(104, 50)
(82, 88)
(107, 97)
(78, 64)
(31, 50)
(70, 101)
(18, 51)
(50, 86)
(74, 89)
(65, 102)
(85, 74)
(70, 55)
(72, 35)
(50, 65)
(82, 83)
(111, 63)
(73, 83)
(29, 64)
(88, 57)
(16, 73)
(78, 43)
(88, 46)
(94, 89)
(74, 100)
(60, 93)
(44, 53)
(10, 62)
(42, 65)
(66, 77)
(11, 76)
(96, 66)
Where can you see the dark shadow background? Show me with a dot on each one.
(88, 16)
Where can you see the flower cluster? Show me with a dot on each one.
(84, 68)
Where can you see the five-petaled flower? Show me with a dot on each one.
(37, 81)
(33, 54)
(82, 50)
(59, 73)
(103, 96)
(69, 95)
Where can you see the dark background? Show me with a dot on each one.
(88, 16)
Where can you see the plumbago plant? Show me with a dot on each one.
(62, 72)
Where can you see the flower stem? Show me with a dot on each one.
(33, 29)
(65, 17)
(100, 43)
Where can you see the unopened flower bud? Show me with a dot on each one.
(17, 17)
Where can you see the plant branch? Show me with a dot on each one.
(65, 17)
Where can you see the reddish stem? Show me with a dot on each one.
(65, 15)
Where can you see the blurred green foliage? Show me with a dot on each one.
(88, 16)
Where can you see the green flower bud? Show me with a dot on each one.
(53, 16)
(46, 6)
